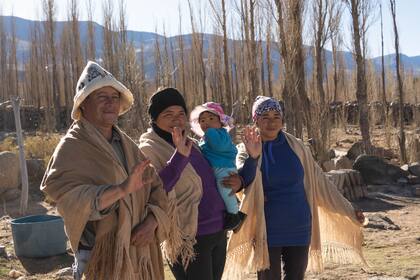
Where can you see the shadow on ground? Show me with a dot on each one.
(46, 265)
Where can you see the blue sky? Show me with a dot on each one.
(147, 15)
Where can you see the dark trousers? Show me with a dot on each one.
(209, 260)
(294, 260)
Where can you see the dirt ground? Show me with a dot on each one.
(391, 253)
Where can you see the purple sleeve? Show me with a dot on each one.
(248, 171)
(172, 171)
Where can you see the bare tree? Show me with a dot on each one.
(12, 73)
(76, 49)
(355, 7)
(3, 60)
(49, 12)
(181, 58)
(335, 11)
(159, 73)
(109, 54)
(401, 134)
(321, 33)
(289, 22)
(268, 55)
(90, 44)
(221, 18)
(248, 17)
(198, 52)
(383, 66)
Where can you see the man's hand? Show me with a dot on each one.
(252, 140)
(233, 182)
(144, 233)
(135, 182)
(182, 143)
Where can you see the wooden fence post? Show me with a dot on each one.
(22, 160)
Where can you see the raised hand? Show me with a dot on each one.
(182, 143)
(134, 181)
(252, 140)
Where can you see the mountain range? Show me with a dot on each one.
(23, 28)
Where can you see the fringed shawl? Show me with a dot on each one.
(183, 200)
(336, 233)
(82, 164)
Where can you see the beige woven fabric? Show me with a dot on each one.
(336, 233)
(84, 160)
(183, 200)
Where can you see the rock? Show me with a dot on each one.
(355, 150)
(375, 171)
(35, 170)
(9, 171)
(15, 274)
(343, 162)
(414, 169)
(379, 221)
(358, 149)
(22, 278)
(328, 165)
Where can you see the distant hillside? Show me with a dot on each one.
(24, 27)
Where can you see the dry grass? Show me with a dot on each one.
(36, 146)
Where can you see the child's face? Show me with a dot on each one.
(209, 120)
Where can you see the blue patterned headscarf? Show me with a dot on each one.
(264, 104)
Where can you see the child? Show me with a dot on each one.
(210, 123)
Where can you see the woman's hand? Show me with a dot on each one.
(252, 141)
(144, 233)
(233, 182)
(182, 143)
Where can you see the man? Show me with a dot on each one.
(112, 202)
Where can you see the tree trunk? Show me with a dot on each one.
(401, 134)
(361, 88)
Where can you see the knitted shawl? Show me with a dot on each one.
(184, 199)
(336, 233)
(83, 164)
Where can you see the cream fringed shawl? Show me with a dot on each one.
(184, 199)
(83, 163)
(336, 233)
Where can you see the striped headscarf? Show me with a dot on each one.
(264, 104)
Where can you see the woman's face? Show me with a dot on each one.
(173, 116)
(269, 124)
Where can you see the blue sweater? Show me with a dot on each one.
(287, 212)
(218, 149)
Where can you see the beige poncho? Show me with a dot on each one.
(336, 233)
(183, 200)
(82, 164)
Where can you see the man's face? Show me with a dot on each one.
(101, 107)
(173, 116)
